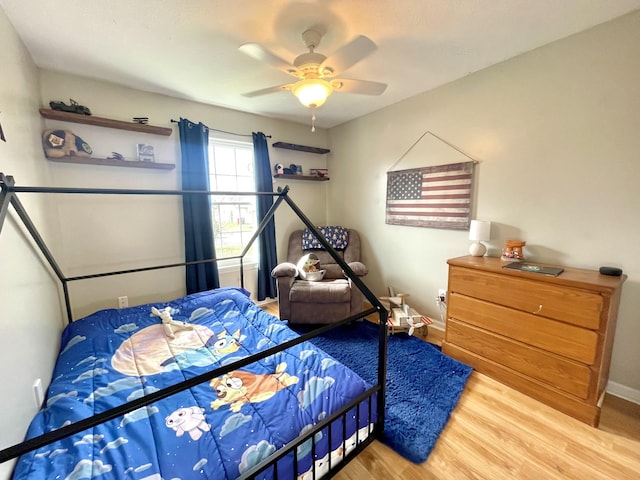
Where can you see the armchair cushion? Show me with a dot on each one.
(333, 291)
(284, 269)
(359, 268)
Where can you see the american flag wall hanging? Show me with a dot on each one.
(436, 197)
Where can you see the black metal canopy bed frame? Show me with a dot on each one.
(373, 398)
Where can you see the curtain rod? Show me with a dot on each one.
(222, 131)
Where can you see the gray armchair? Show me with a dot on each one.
(329, 300)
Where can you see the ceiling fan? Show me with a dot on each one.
(316, 73)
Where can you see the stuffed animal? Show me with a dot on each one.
(63, 143)
(190, 420)
(168, 323)
(309, 268)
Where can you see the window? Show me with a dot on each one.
(234, 216)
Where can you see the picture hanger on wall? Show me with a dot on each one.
(435, 196)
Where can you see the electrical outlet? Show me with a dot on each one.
(38, 394)
(123, 302)
(442, 295)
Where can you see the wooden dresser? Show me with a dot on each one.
(548, 337)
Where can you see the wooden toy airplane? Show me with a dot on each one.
(394, 300)
(401, 315)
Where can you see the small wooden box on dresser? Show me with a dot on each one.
(548, 337)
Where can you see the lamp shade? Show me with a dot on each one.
(312, 92)
(480, 231)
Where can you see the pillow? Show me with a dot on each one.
(309, 268)
(338, 238)
(63, 143)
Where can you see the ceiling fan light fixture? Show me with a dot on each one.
(312, 92)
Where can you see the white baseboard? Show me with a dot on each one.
(622, 391)
(266, 301)
(437, 324)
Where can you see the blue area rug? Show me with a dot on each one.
(423, 384)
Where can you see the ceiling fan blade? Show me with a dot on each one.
(348, 55)
(257, 51)
(362, 87)
(266, 91)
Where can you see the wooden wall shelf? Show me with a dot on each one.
(301, 148)
(104, 122)
(112, 162)
(301, 177)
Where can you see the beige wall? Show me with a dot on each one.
(30, 321)
(555, 132)
(108, 233)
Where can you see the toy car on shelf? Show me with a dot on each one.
(75, 107)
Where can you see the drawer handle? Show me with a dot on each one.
(539, 309)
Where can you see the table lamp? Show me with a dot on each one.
(479, 231)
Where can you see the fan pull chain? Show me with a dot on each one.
(313, 122)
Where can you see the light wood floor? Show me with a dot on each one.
(496, 432)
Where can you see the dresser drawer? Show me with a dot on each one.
(561, 373)
(570, 305)
(570, 341)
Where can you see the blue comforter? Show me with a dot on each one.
(215, 430)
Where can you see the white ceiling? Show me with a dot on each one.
(189, 48)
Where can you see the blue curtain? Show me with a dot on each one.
(267, 240)
(198, 225)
